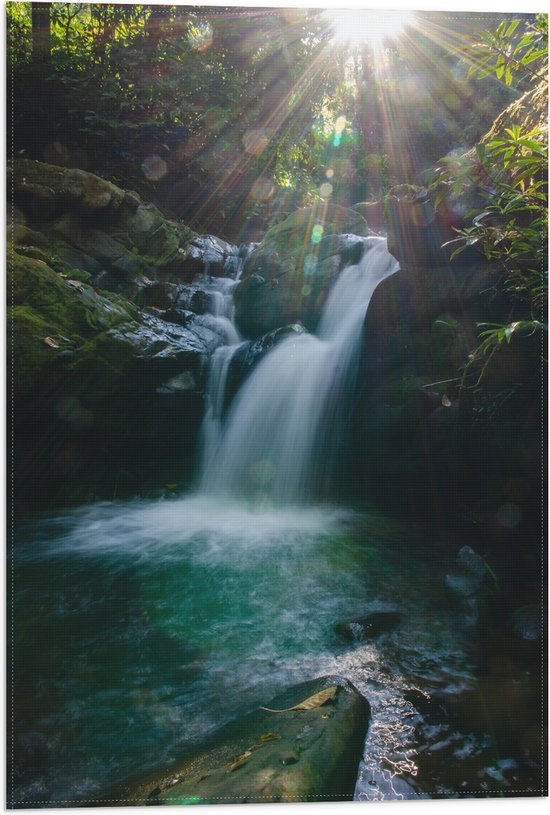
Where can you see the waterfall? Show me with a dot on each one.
(288, 422)
(221, 319)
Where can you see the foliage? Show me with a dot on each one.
(509, 171)
(513, 48)
(222, 116)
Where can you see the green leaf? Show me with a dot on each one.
(528, 58)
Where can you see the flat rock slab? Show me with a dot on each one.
(296, 755)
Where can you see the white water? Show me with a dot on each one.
(288, 421)
(173, 617)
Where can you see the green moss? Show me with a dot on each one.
(43, 304)
(299, 234)
(29, 356)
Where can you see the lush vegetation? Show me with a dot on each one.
(228, 117)
(509, 172)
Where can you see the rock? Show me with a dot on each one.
(248, 355)
(468, 575)
(527, 622)
(287, 277)
(178, 384)
(349, 248)
(43, 304)
(158, 295)
(300, 755)
(418, 228)
(369, 627)
(190, 262)
(21, 234)
(105, 249)
(374, 213)
(111, 368)
(45, 189)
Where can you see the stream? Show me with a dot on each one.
(141, 626)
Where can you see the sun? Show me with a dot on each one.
(372, 27)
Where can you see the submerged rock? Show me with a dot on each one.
(369, 627)
(294, 755)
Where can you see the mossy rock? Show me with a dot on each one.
(298, 235)
(49, 316)
(288, 277)
(45, 189)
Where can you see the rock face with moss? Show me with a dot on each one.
(108, 351)
(288, 276)
(265, 757)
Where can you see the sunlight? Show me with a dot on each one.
(355, 27)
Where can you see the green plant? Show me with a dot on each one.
(514, 47)
(509, 173)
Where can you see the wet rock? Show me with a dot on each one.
(349, 248)
(298, 755)
(178, 384)
(369, 627)
(249, 354)
(286, 279)
(527, 623)
(158, 295)
(468, 576)
(190, 262)
(179, 316)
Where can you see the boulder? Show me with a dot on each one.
(287, 277)
(374, 213)
(47, 189)
(418, 227)
(95, 225)
(120, 390)
(249, 354)
(369, 627)
(265, 757)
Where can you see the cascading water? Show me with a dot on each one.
(287, 423)
(172, 617)
(221, 317)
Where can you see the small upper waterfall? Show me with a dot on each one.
(288, 421)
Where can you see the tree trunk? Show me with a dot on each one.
(41, 32)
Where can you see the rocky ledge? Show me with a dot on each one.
(290, 755)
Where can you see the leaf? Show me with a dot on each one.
(239, 761)
(50, 342)
(512, 27)
(445, 401)
(265, 737)
(317, 700)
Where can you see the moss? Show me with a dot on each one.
(29, 356)
(43, 304)
(295, 237)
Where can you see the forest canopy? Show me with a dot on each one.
(231, 117)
